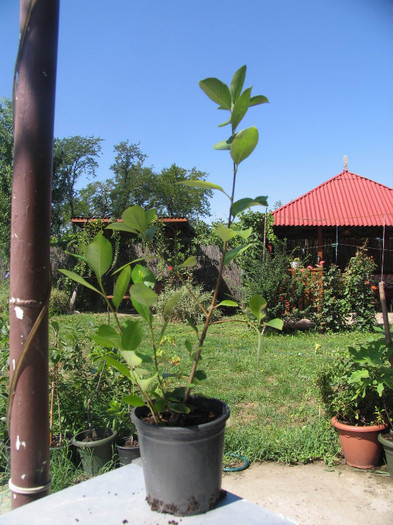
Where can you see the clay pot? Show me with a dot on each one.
(359, 444)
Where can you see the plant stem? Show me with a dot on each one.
(215, 294)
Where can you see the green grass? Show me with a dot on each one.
(275, 411)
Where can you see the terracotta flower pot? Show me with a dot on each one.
(359, 444)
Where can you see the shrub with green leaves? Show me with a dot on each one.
(357, 388)
(126, 336)
(59, 302)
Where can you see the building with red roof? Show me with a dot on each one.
(331, 221)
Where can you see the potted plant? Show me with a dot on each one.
(357, 391)
(180, 435)
(386, 440)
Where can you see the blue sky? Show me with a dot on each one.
(130, 70)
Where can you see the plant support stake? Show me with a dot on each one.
(30, 275)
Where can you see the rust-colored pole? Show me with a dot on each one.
(30, 266)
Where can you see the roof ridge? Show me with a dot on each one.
(344, 172)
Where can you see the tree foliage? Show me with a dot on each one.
(73, 157)
(176, 200)
(6, 168)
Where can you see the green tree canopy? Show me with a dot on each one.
(6, 168)
(72, 158)
(176, 200)
(132, 182)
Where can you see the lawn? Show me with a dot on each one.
(275, 411)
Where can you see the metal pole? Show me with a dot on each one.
(30, 266)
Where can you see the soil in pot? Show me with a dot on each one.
(386, 440)
(127, 450)
(359, 444)
(95, 449)
(182, 465)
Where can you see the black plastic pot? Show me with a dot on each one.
(182, 466)
(95, 453)
(127, 453)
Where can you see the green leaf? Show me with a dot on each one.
(120, 226)
(144, 384)
(224, 123)
(257, 304)
(106, 336)
(77, 256)
(133, 400)
(217, 91)
(188, 345)
(120, 367)
(358, 375)
(160, 405)
(77, 278)
(193, 325)
(201, 184)
(223, 144)
(189, 262)
(132, 360)
(257, 100)
(132, 335)
(171, 303)
(143, 311)
(141, 274)
(121, 286)
(240, 108)
(244, 234)
(224, 233)
(278, 324)
(231, 254)
(137, 219)
(228, 302)
(179, 408)
(140, 293)
(99, 255)
(244, 144)
(237, 83)
(243, 204)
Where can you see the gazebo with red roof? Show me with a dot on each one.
(338, 216)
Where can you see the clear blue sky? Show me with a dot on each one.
(130, 70)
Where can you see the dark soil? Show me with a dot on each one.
(197, 416)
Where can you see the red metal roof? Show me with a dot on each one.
(344, 200)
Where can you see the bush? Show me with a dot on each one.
(59, 302)
(186, 307)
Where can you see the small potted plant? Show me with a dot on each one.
(180, 435)
(357, 390)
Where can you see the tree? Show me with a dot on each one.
(6, 169)
(176, 200)
(72, 158)
(95, 200)
(133, 183)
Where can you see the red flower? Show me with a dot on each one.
(373, 287)
(170, 267)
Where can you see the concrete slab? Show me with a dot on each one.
(118, 497)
